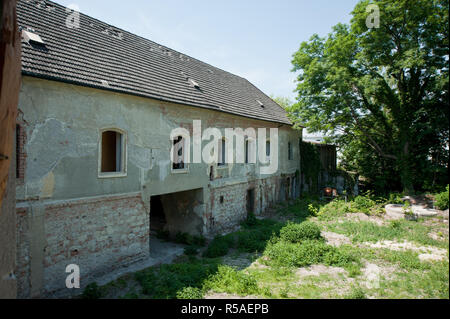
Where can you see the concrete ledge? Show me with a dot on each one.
(395, 211)
(76, 201)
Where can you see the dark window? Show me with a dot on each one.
(178, 161)
(222, 153)
(112, 144)
(246, 151)
(268, 148)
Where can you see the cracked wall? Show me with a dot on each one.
(63, 122)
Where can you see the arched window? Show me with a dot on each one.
(112, 153)
(179, 153)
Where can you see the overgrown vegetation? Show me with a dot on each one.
(250, 239)
(442, 199)
(269, 255)
(382, 93)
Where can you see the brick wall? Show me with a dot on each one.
(99, 235)
(229, 203)
(230, 212)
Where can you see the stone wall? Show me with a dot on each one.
(97, 234)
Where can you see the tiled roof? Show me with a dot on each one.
(101, 56)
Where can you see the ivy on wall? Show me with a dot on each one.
(310, 165)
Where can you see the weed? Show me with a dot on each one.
(191, 251)
(251, 220)
(296, 233)
(229, 280)
(219, 246)
(190, 293)
(165, 281)
(356, 293)
(309, 252)
(442, 199)
(92, 291)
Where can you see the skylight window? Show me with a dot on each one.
(32, 38)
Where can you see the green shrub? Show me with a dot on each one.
(309, 252)
(184, 238)
(191, 251)
(335, 208)
(251, 220)
(229, 280)
(313, 210)
(92, 291)
(219, 246)
(363, 203)
(356, 293)
(442, 199)
(199, 241)
(296, 233)
(395, 198)
(165, 281)
(190, 293)
(396, 224)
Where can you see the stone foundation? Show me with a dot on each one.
(97, 234)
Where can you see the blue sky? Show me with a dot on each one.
(251, 38)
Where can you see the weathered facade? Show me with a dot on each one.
(69, 211)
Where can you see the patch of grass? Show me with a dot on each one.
(219, 246)
(92, 291)
(251, 238)
(191, 251)
(424, 284)
(251, 220)
(308, 252)
(365, 231)
(229, 280)
(190, 293)
(303, 207)
(408, 260)
(356, 293)
(165, 281)
(295, 233)
(188, 239)
(334, 209)
(441, 199)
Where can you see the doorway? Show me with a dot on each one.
(157, 217)
(250, 201)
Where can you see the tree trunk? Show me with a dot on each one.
(406, 171)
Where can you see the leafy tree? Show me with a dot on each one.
(382, 92)
(285, 102)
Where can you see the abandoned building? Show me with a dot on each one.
(94, 175)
